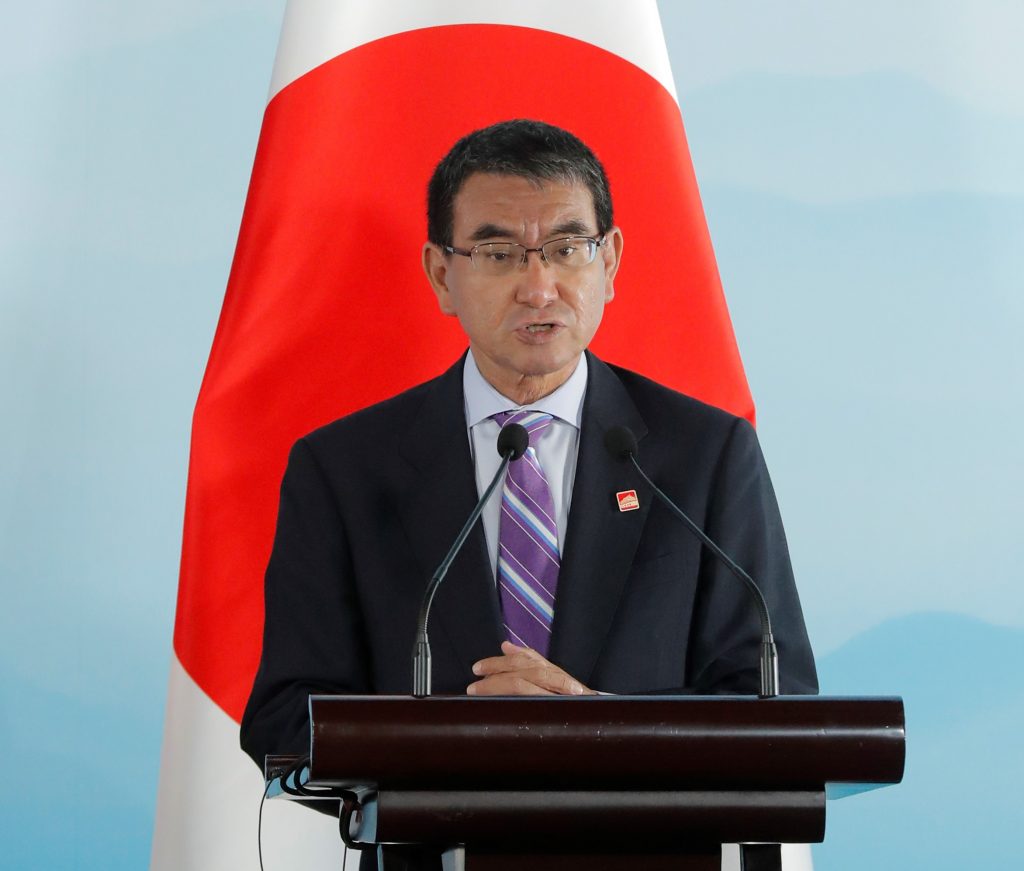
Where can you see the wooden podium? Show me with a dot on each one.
(597, 781)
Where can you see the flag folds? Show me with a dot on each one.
(327, 310)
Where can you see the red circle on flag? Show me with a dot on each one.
(327, 309)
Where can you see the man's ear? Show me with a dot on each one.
(612, 255)
(435, 265)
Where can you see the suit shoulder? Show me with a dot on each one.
(658, 403)
(374, 424)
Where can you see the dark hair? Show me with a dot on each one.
(530, 149)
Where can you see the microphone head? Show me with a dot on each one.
(513, 440)
(620, 442)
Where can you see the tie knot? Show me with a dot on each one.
(533, 421)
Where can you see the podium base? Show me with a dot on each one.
(760, 857)
(461, 859)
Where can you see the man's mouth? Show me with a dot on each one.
(539, 328)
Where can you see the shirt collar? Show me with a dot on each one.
(483, 401)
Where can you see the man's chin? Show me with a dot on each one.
(541, 366)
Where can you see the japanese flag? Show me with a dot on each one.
(327, 310)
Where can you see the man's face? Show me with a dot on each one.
(528, 328)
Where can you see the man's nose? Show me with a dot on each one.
(537, 284)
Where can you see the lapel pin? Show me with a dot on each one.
(627, 500)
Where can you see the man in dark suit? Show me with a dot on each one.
(524, 251)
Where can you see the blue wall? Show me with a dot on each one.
(861, 174)
(861, 170)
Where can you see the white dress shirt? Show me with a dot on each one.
(556, 447)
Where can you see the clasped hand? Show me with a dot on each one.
(520, 671)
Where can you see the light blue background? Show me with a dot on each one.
(860, 167)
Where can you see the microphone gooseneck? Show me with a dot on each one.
(513, 440)
(621, 443)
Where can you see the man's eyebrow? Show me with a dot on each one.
(571, 227)
(491, 231)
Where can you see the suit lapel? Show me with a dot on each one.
(437, 447)
(601, 539)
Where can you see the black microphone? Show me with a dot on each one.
(621, 444)
(513, 440)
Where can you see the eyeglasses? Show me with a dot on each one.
(504, 258)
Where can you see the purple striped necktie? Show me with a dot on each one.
(528, 557)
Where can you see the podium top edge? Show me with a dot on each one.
(644, 699)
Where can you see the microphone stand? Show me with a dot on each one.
(769, 652)
(512, 443)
